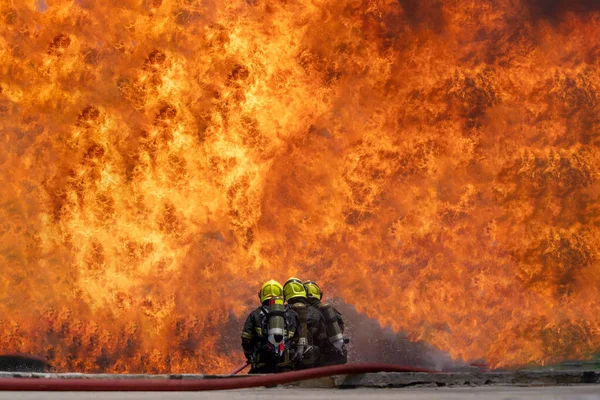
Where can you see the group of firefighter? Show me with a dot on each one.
(292, 329)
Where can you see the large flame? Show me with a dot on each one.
(435, 163)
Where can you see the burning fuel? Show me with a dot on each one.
(433, 163)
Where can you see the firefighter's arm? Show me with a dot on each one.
(249, 337)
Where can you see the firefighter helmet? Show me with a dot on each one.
(313, 290)
(293, 288)
(269, 290)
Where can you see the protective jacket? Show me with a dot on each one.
(258, 350)
(316, 335)
(329, 354)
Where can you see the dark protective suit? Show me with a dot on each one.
(255, 342)
(316, 335)
(329, 354)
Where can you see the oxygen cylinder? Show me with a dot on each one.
(276, 333)
(334, 332)
(301, 311)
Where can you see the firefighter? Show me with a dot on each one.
(271, 333)
(333, 349)
(295, 295)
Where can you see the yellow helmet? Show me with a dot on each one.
(293, 288)
(313, 290)
(269, 290)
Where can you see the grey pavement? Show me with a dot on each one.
(579, 392)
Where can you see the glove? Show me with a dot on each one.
(251, 359)
(297, 356)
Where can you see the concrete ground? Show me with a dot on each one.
(579, 392)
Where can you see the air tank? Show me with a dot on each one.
(301, 311)
(276, 332)
(334, 332)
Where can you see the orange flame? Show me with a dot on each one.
(434, 163)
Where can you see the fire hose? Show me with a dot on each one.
(240, 368)
(163, 385)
